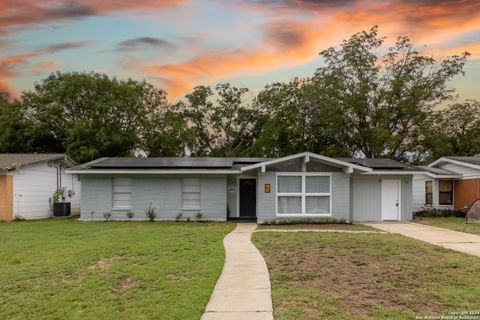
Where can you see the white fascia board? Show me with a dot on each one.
(460, 163)
(308, 155)
(394, 173)
(449, 176)
(142, 172)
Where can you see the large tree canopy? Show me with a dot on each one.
(89, 115)
(452, 131)
(223, 122)
(365, 100)
(383, 99)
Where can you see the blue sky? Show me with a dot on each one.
(177, 44)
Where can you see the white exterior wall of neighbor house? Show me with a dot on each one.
(163, 192)
(418, 185)
(34, 185)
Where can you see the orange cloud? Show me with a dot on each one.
(290, 42)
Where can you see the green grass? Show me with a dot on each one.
(365, 276)
(67, 269)
(453, 223)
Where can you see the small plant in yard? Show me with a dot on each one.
(188, 219)
(56, 196)
(18, 218)
(92, 214)
(199, 216)
(179, 216)
(107, 215)
(130, 214)
(151, 213)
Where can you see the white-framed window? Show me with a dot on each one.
(121, 196)
(304, 193)
(191, 193)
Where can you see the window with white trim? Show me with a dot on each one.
(191, 193)
(304, 194)
(121, 196)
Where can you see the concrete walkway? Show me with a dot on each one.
(243, 290)
(459, 241)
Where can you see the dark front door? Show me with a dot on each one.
(248, 198)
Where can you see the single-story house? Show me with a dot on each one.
(300, 186)
(28, 182)
(447, 183)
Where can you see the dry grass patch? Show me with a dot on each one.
(365, 276)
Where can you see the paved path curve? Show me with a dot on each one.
(243, 290)
(450, 239)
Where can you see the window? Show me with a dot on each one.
(428, 192)
(303, 194)
(121, 193)
(191, 193)
(445, 192)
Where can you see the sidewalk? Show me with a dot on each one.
(243, 289)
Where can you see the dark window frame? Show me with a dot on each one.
(429, 195)
(449, 193)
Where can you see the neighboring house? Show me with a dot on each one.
(28, 182)
(304, 185)
(448, 183)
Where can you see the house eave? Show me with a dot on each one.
(452, 161)
(152, 171)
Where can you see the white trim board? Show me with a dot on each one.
(307, 156)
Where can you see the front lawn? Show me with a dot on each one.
(453, 223)
(365, 276)
(67, 269)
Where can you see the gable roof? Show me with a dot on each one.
(307, 156)
(471, 162)
(9, 161)
(439, 172)
(220, 165)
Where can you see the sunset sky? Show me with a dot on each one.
(177, 44)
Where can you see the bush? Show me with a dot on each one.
(107, 215)
(429, 212)
(130, 214)
(179, 216)
(199, 216)
(19, 218)
(151, 213)
(306, 221)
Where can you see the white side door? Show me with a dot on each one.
(391, 204)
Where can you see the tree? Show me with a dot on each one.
(226, 126)
(383, 100)
(298, 121)
(452, 131)
(12, 126)
(89, 115)
(167, 134)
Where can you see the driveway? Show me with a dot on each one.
(459, 241)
